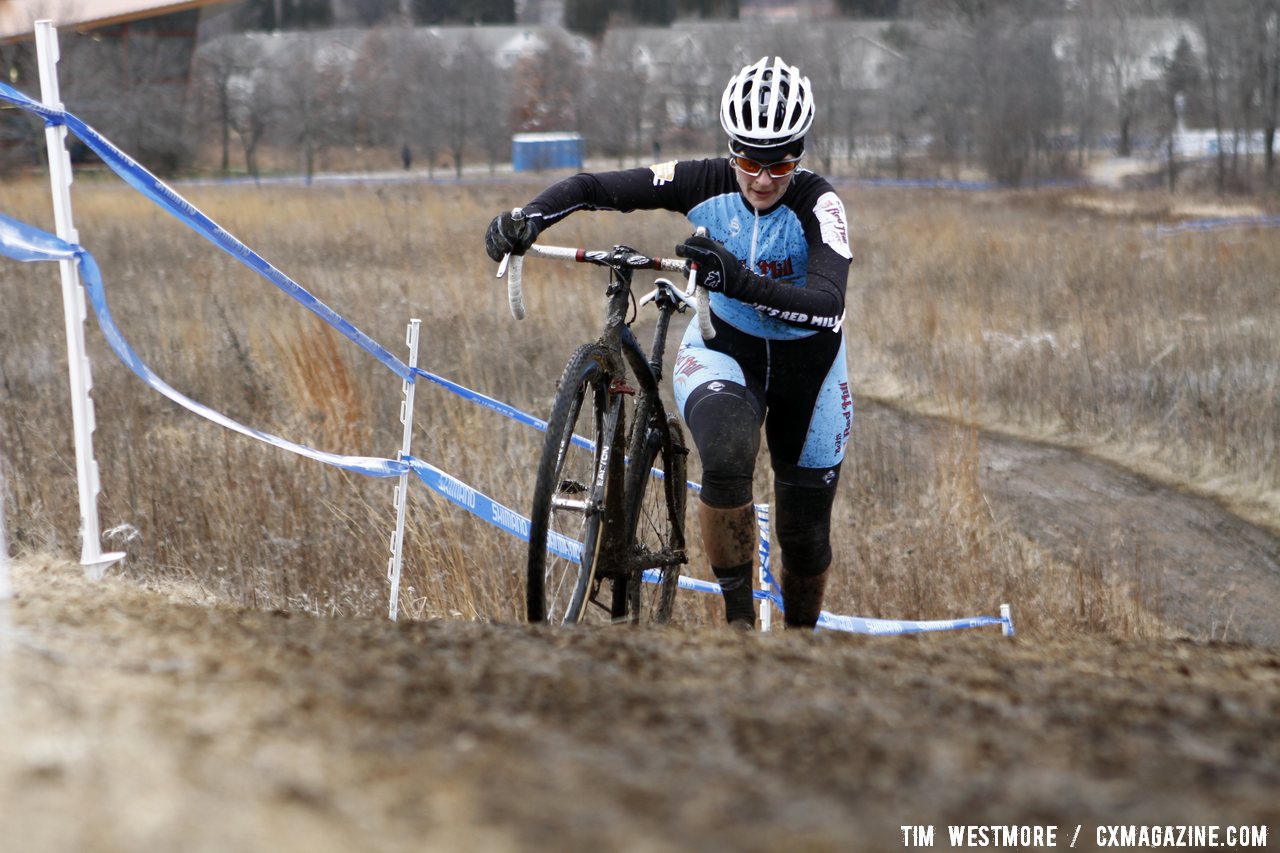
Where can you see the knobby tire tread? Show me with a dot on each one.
(587, 373)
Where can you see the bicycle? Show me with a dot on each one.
(595, 515)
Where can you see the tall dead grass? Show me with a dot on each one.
(938, 282)
(1041, 315)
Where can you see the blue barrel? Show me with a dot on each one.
(533, 152)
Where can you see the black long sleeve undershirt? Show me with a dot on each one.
(817, 304)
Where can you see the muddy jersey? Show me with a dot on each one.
(798, 250)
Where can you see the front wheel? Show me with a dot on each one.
(569, 497)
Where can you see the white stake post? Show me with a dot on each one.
(766, 609)
(402, 488)
(74, 312)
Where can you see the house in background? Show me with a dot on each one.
(119, 60)
(686, 68)
(132, 32)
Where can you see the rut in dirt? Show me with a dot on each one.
(1217, 576)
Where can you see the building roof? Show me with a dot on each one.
(504, 44)
(856, 48)
(18, 17)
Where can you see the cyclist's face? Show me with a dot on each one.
(763, 190)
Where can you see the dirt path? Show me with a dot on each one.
(1217, 576)
(137, 721)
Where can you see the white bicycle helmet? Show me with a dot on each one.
(767, 105)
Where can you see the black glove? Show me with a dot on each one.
(508, 235)
(718, 268)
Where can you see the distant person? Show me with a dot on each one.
(406, 156)
(776, 260)
(657, 150)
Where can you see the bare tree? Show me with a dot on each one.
(491, 127)
(219, 82)
(616, 100)
(903, 105)
(393, 65)
(1268, 29)
(252, 106)
(1119, 49)
(131, 87)
(1217, 73)
(547, 87)
(235, 93)
(695, 69)
(1243, 39)
(838, 70)
(1087, 64)
(464, 80)
(424, 103)
(994, 81)
(313, 93)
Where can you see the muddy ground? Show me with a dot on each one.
(145, 719)
(141, 720)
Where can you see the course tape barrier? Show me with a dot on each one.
(968, 186)
(501, 408)
(1217, 224)
(26, 243)
(187, 213)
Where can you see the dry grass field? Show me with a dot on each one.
(235, 685)
(1055, 315)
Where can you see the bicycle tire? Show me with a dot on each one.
(655, 513)
(567, 500)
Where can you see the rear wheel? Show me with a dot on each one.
(569, 497)
(655, 514)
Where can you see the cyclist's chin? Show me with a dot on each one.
(763, 200)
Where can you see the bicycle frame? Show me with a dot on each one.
(609, 494)
(618, 339)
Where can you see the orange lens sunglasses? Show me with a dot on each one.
(752, 169)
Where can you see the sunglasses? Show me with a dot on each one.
(752, 169)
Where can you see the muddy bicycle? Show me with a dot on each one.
(607, 534)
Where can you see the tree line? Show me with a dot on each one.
(1017, 90)
(589, 17)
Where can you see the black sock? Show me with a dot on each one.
(739, 604)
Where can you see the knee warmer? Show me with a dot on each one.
(725, 426)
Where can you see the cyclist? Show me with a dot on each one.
(776, 259)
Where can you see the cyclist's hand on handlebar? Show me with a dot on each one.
(718, 269)
(508, 235)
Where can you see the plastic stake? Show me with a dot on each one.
(74, 309)
(402, 488)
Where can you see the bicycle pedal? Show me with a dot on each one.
(620, 386)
